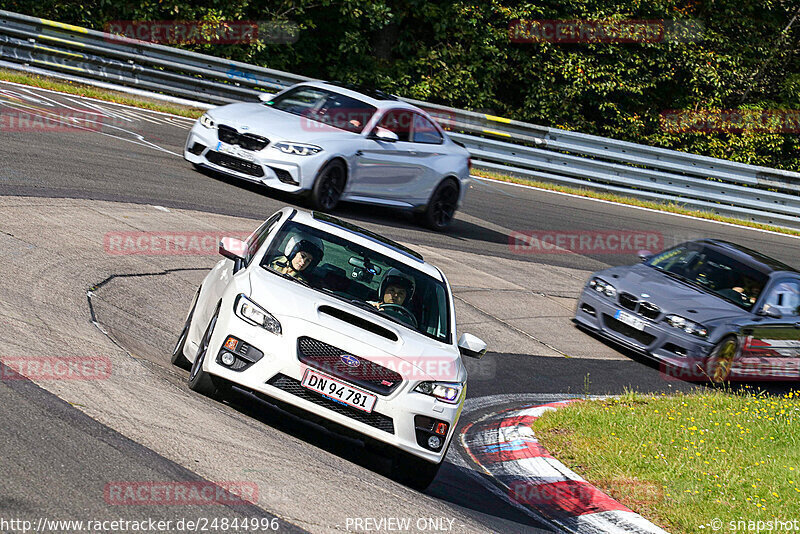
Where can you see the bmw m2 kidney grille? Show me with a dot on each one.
(374, 419)
(341, 364)
(643, 308)
(234, 163)
(248, 141)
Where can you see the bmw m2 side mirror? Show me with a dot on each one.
(383, 134)
(471, 346)
(233, 249)
(644, 255)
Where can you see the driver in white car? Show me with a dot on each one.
(302, 254)
(396, 288)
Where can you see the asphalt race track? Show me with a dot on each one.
(63, 188)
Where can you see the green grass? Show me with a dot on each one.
(621, 199)
(683, 460)
(98, 93)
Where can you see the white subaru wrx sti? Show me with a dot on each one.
(341, 323)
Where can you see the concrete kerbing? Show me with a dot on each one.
(503, 445)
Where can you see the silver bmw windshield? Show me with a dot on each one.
(361, 277)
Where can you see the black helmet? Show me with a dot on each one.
(395, 277)
(311, 246)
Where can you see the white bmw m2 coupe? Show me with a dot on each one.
(342, 324)
(335, 142)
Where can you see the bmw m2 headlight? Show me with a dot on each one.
(297, 149)
(253, 313)
(601, 286)
(206, 121)
(690, 327)
(444, 391)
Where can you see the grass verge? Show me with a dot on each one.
(621, 199)
(684, 461)
(90, 91)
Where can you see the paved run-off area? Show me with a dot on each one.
(54, 250)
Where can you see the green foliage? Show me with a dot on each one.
(459, 53)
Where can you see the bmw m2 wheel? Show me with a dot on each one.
(719, 363)
(201, 381)
(178, 357)
(329, 186)
(441, 209)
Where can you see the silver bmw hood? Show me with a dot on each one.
(670, 295)
(275, 125)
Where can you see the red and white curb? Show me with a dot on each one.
(503, 446)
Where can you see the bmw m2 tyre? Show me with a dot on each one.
(329, 186)
(441, 209)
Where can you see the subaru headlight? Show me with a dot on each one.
(206, 121)
(601, 286)
(448, 392)
(297, 149)
(253, 313)
(690, 327)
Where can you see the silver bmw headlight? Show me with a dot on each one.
(601, 286)
(297, 149)
(206, 121)
(253, 313)
(690, 327)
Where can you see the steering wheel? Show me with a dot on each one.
(401, 311)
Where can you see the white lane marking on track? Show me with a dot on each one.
(162, 208)
(74, 123)
(127, 106)
(651, 210)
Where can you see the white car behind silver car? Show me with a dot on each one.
(341, 323)
(335, 143)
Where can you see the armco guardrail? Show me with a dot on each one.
(496, 144)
